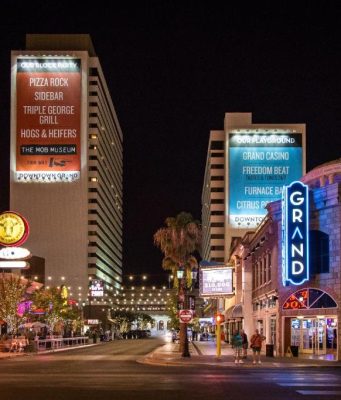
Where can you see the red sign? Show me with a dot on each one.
(48, 119)
(185, 316)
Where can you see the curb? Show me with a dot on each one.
(37, 353)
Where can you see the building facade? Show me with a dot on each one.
(305, 315)
(247, 166)
(213, 199)
(66, 162)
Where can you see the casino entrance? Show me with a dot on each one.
(314, 335)
(311, 324)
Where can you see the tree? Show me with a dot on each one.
(179, 241)
(123, 320)
(143, 320)
(12, 292)
(54, 305)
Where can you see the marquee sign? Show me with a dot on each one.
(215, 281)
(14, 229)
(96, 288)
(295, 234)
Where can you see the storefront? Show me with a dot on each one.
(312, 322)
(233, 321)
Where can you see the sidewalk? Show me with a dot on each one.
(4, 355)
(204, 353)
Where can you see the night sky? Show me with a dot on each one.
(173, 69)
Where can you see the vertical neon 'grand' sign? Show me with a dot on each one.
(295, 232)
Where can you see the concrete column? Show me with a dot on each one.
(247, 298)
(338, 354)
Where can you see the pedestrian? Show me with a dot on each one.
(237, 343)
(245, 343)
(256, 346)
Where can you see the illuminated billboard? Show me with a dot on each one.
(295, 234)
(260, 164)
(48, 119)
(96, 288)
(215, 281)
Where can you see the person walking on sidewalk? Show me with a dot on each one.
(256, 345)
(237, 343)
(245, 343)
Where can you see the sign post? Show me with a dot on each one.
(219, 320)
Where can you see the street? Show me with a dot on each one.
(110, 371)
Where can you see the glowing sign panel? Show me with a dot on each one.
(97, 288)
(215, 281)
(295, 234)
(260, 164)
(48, 110)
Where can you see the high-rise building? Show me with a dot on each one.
(66, 162)
(247, 166)
(213, 199)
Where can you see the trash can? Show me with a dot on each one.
(269, 350)
(294, 351)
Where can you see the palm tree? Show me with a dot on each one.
(178, 241)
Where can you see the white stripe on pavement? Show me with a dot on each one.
(319, 392)
(309, 384)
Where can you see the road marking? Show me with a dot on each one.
(319, 392)
(308, 384)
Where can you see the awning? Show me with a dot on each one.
(234, 312)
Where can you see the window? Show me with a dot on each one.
(217, 201)
(217, 178)
(217, 248)
(217, 236)
(318, 252)
(309, 298)
(217, 145)
(217, 212)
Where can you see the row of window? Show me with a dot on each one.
(261, 271)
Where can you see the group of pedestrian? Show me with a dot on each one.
(240, 344)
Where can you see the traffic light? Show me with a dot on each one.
(220, 318)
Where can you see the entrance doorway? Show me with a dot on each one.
(314, 335)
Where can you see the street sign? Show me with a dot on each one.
(186, 316)
(191, 302)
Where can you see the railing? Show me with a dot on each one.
(59, 343)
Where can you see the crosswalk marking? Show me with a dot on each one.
(319, 392)
(296, 381)
(308, 384)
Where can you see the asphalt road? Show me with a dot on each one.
(110, 371)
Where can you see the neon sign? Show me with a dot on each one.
(295, 234)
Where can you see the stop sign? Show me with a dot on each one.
(185, 316)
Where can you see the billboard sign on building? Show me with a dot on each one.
(48, 119)
(295, 234)
(215, 281)
(96, 288)
(260, 164)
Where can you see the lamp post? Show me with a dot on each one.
(183, 298)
